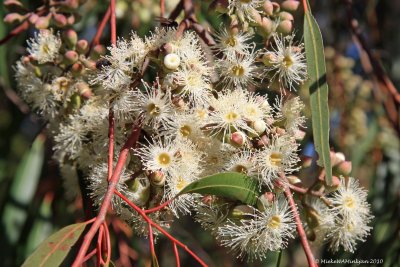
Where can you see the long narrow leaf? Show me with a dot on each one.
(318, 88)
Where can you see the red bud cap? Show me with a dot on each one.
(237, 139)
(13, 17)
(71, 57)
(43, 22)
(60, 20)
(82, 46)
(344, 168)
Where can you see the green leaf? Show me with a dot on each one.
(318, 88)
(54, 249)
(230, 184)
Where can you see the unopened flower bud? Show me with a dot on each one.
(276, 7)
(77, 69)
(70, 57)
(33, 18)
(312, 218)
(259, 126)
(344, 168)
(240, 212)
(340, 156)
(283, 15)
(82, 46)
(290, 5)
(306, 161)
(43, 22)
(14, 6)
(60, 20)
(299, 135)
(75, 102)
(157, 178)
(179, 102)
(84, 89)
(285, 27)
(292, 179)
(311, 235)
(237, 139)
(335, 184)
(268, 59)
(172, 61)
(266, 27)
(70, 37)
(71, 19)
(97, 52)
(263, 141)
(13, 17)
(268, 8)
(265, 200)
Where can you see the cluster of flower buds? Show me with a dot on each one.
(199, 114)
(55, 13)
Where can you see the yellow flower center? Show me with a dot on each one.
(237, 70)
(349, 202)
(231, 116)
(185, 130)
(181, 183)
(274, 222)
(240, 168)
(46, 48)
(153, 109)
(275, 159)
(164, 159)
(287, 61)
(231, 41)
(201, 113)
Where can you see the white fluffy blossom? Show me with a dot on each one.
(44, 47)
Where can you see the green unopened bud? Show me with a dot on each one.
(43, 22)
(285, 27)
(157, 178)
(70, 57)
(75, 102)
(268, 8)
(266, 27)
(256, 17)
(283, 15)
(265, 200)
(77, 69)
(82, 46)
(313, 218)
(60, 20)
(311, 235)
(290, 5)
(240, 212)
(70, 37)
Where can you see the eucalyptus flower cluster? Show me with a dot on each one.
(204, 111)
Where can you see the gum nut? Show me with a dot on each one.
(335, 184)
(344, 168)
(290, 5)
(71, 20)
(77, 68)
(33, 18)
(285, 27)
(267, 25)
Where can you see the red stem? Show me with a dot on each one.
(299, 226)
(159, 228)
(91, 254)
(99, 247)
(111, 122)
(166, 203)
(113, 23)
(108, 196)
(177, 259)
(305, 6)
(162, 8)
(100, 29)
(108, 243)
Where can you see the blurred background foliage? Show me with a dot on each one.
(32, 203)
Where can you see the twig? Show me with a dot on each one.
(100, 29)
(108, 196)
(299, 225)
(159, 228)
(176, 253)
(162, 8)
